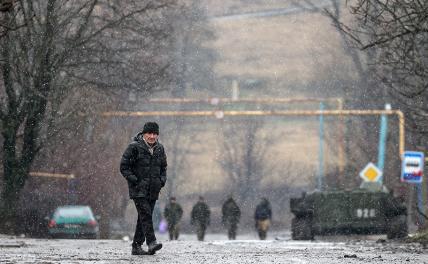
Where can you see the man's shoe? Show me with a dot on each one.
(153, 247)
(137, 250)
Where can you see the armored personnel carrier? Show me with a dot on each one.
(359, 211)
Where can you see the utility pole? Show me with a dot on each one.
(321, 151)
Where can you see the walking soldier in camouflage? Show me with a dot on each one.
(231, 216)
(200, 218)
(173, 213)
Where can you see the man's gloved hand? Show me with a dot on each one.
(132, 178)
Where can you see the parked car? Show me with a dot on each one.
(73, 221)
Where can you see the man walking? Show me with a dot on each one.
(200, 217)
(263, 217)
(143, 165)
(173, 213)
(231, 216)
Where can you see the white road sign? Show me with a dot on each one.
(412, 168)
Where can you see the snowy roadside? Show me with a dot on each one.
(216, 249)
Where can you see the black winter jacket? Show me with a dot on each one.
(231, 212)
(263, 210)
(149, 170)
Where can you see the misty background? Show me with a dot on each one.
(119, 55)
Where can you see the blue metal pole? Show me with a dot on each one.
(420, 203)
(321, 151)
(382, 144)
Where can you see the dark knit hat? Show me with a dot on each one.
(151, 127)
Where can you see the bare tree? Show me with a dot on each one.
(244, 157)
(91, 146)
(6, 6)
(192, 67)
(182, 142)
(360, 90)
(397, 31)
(193, 63)
(65, 49)
(394, 35)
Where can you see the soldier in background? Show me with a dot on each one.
(173, 213)
(157, 217)
(231, 216)
(263, 217)
(200, 217)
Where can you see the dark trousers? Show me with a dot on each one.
(200, 231)
(232, 227)
(174, 231)
(144, 229)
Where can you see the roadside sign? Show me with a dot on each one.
(412, 167)
(371, 173)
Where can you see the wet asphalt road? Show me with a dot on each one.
(216, 249)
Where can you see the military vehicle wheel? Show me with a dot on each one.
(397, 227)
(301, 228)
